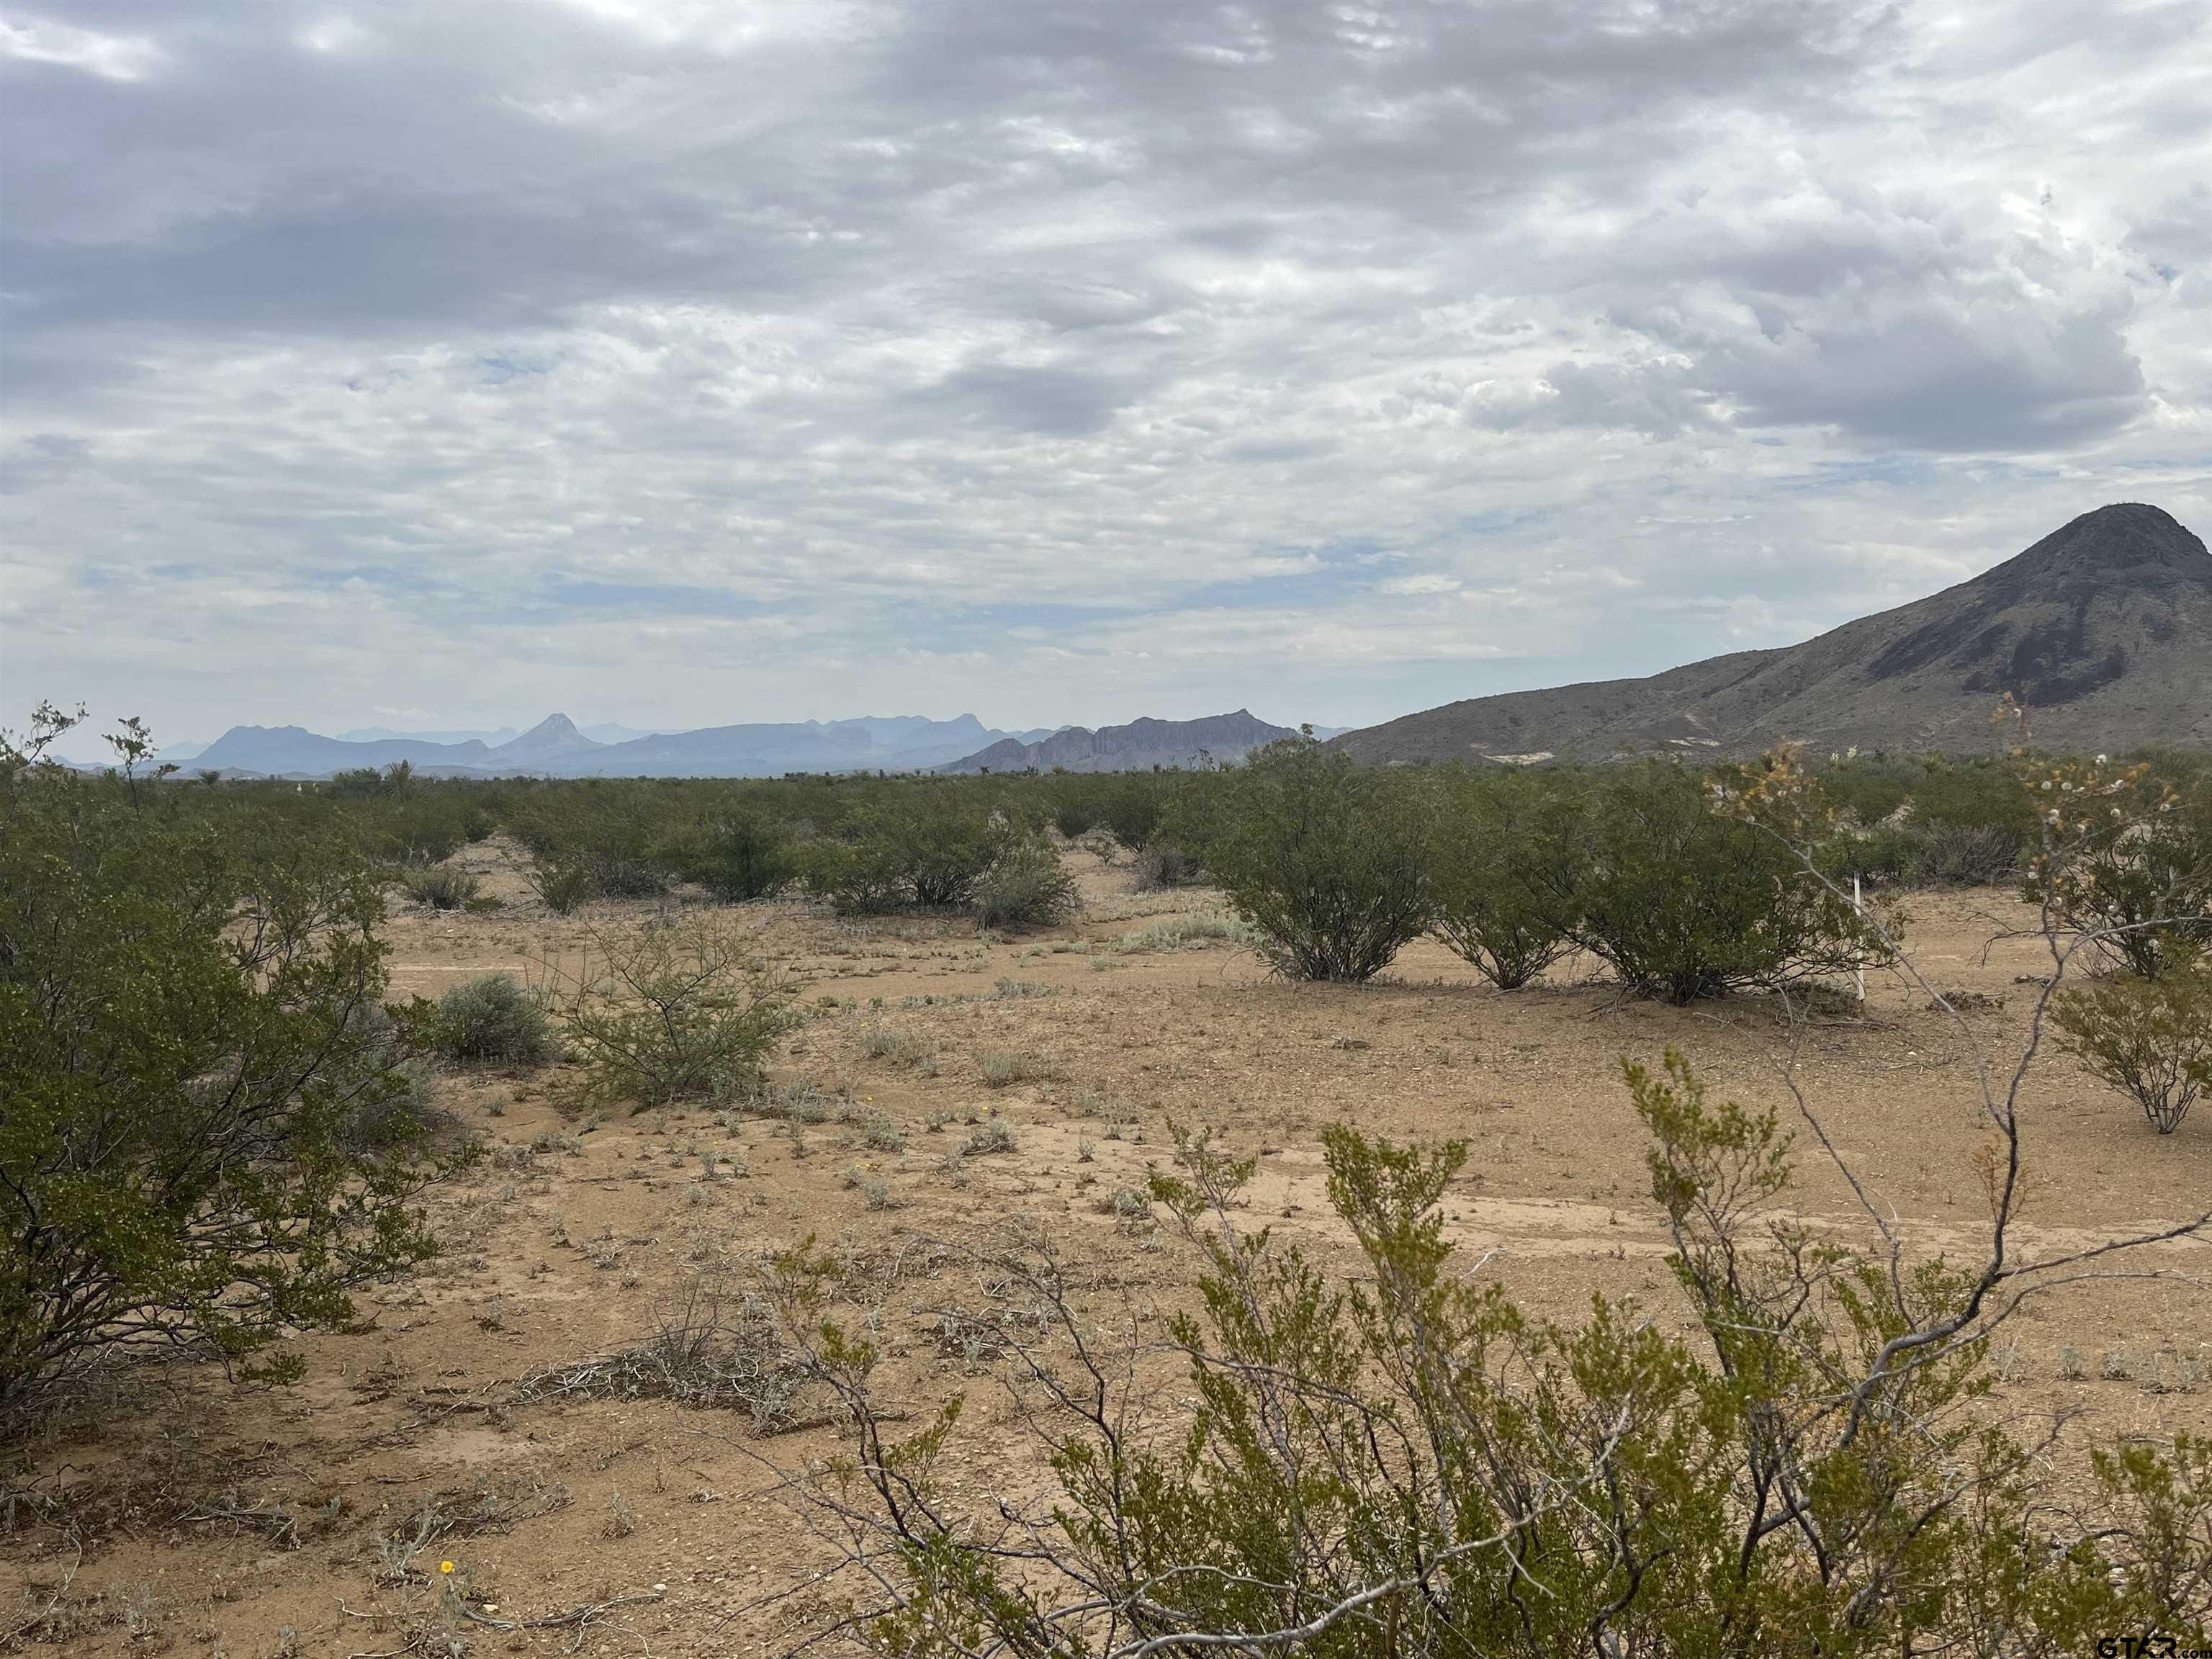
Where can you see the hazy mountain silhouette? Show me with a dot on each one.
(557, 748)
(2103, 630)
(1137, 747)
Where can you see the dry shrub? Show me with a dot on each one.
(710, 1347)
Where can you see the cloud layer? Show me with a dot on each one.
(688, 364)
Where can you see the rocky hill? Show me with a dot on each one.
(2103, 630)
(1140, 746)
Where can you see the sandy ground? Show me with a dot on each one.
(184, 1514)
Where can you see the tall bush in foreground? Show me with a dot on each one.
(1325, 860)
(206, 1127)
(1402, 1462)
(1506, 857)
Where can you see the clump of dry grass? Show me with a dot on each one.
(710, 1348)
(1001, 1068)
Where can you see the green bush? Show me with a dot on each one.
(1685, 903)
(1025, 887)
(596, 838)
(744, 857)
(1129, 807)
(681, 1011)
(1505, 859)
(1400, 1460)
(2150, 1039)
(1325, 860)
(2134, 869)
(208, 1132)
(492, 1018)
(923, 846)
(439, 886)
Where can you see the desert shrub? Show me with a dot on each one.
(1129, 806)
(596, 839)
(1966, 825)
(1001, 1068)
(1074, 805)
(1940, 824)
(1324, 859)
(440, 886)
(1025, 887)
(681, 1011)
(565, 883)
(1164, 865)
(1505, 856)
(919, 846)
(491, 1016)
(2126, 859)
(2150, 1039)
(744, 856)
(992, 1135)
(1684, 903)
(1868, 788)
(208, 1131)
(901, 1047)
(1403, 1461)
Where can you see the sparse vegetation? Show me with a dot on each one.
(1001, 1068)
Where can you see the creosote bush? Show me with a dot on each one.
(1683, 902)
(1403, 1461)
(210, 1130)
(2150, 1039)
(1025, 887)
(2126, 856)
(680, 1010)
(744, 856)
(1326, 861)
(493, 1017)
(924, 848)
(440, 886)
(1506, 857)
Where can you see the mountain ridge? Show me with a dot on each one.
(1140, 745)
(556, 747)
(2102, 630)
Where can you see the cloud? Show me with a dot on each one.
(679, 364)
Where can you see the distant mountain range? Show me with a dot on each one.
(1140, 746)
(2103, 630)
(555, 747)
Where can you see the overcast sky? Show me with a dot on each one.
(447, 364)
